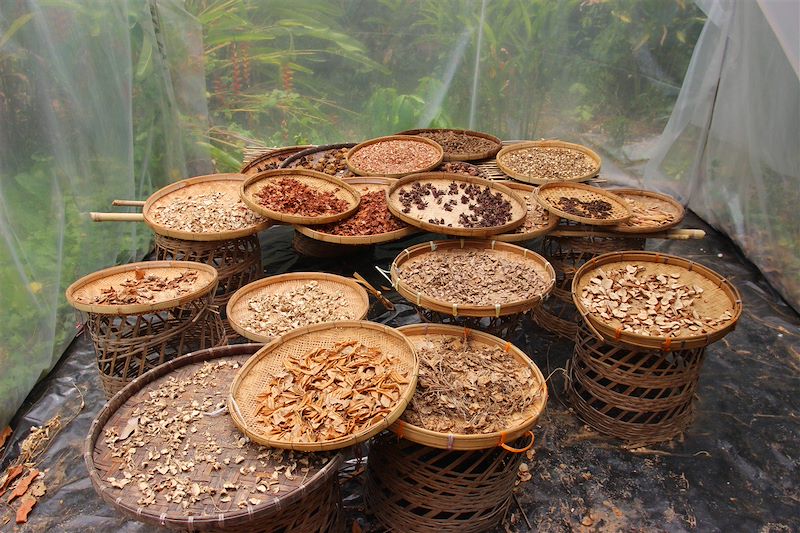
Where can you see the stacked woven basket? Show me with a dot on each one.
(448, 405)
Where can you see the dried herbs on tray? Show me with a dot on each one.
(206, 213)
(372, 218)
(290, 196)
(460, 144)
(536, 216)
(143, 288)
(332, 162)
(330, 393)
(549, 163)
(591, 208)
(469, 387)
(469, 205)
(460, 167)
(647, 213)
(472, 277)
(394, 156)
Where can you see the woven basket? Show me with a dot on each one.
(315, 180)
(719, 296)
(461, 156)
(420, 219)
(519, 235)
(509, 251)
(405, 138)
(641, 396)
(538, 180)
(558, 317)
(131, 339)
(414, 488)
(238, 311)
(243, 402)
(270, 159)
(309, 247)
(315, 154)
(648, 199)
(500, 326)
(417, 334)
(363, 185)
(310, 502)
(549, 194)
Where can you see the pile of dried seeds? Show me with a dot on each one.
(475, 206)
(645, 214)
(472, 277)
(332, 162)
(549, 163)
(290, 196)
(330, 393)
(536, 216)
(469, 388)
(206, 213)
(460, 144)
(147, 288)
(275, 314)
(657, 305)
(179, 447)
(396, 156)
(372, 218)
(591, 209)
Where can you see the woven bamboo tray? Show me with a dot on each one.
(414, 488)
(447, 166)
(363, 185)
(248, 384)
(310, 502)
(519, 235)
(271, 159)
(548, 196)
(510, 251)
(418, 334)
(537, 180)
(316, 180)
(719, 295)
(420, 219)
(238, 311)
(640, 396)
(648, 199)
(406, 138)
(314, 154)
(462, 156)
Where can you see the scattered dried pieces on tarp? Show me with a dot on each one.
(4, 436)
(8, 478)
(23, 484)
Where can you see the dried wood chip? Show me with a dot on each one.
(140, 288)
(536, 216)
(11, 474)
(394, 156)
(647, 212)
(206, 213)
(23, 484)
(26, 505)
(330, 393)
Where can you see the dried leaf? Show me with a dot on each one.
(26, 504)
(129, 428)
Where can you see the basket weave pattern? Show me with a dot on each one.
(502, 326)
(640, 396)
(411, 487)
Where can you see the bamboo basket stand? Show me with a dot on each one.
(309, 502)
(311, 247)
(415, 488)
(130, 340)
(637, 395)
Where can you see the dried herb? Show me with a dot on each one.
(591, 208)
(372, 218)
(460, 167)
(147, 288)
(549, 163)
(536, 216)
(290, 196)
(206, 213)
(397, 156)
(332, 162)
(459, 143)
(471, 205)
(647, 213)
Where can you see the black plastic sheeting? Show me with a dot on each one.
(736, 469)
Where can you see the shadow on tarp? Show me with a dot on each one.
(735, 469)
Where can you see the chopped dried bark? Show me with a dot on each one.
(332, 162)
(458, 143)
(470, 388)
(648, 304)
(549, 163)
(396, 156)
(206, 213)
(290, 196)
(472, 277)
(330, 393)
(140, 288)
(646, 213)
(460, 167)
(372, 218)
(275, 314)
(536, 216)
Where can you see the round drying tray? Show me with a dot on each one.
(315, 180)
(82, 294)
(363, 185)
(243, 401)
(421, 253)
(227, 184)
(462, 167)
(549, 195)
(718, 297)
(238, 310)
(521, 233)
(650, 211)
(437, 211)
(544, 145)
(418, 334)
(271, 159)
(312, 156)
(459, 156)
(294, 504)
(399, 139)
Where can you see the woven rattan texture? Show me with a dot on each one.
(640, 396)
(502, 326)
(269, 360)
(127, 346)
(647, 200)
(263, 159)
(309, 502)
(549, 195)
(309, 247)
(415, 488)
(527, 193)
(316, 153)
(238, 261)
